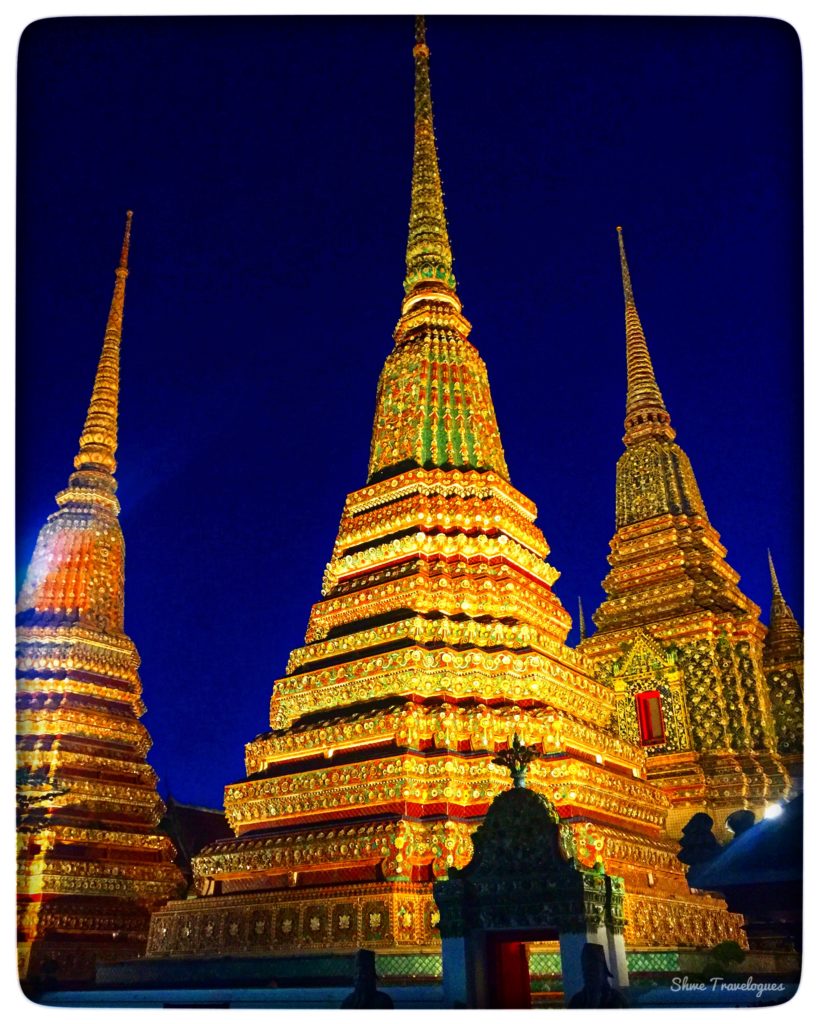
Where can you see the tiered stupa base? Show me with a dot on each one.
(73, 936)
(364, 880)
(392, 918)
(85, 896)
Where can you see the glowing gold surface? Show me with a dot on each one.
(90, 867)
(433, 405)
(390, 918)
(429, 257)
(437, 638)
(676, 621)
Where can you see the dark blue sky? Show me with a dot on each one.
(268, 163)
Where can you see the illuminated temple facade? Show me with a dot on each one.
(438, 636)
(91, 865)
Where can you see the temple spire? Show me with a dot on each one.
(429, 257)
(434, 406)
(784, 640)
(646, 414)
(581, 619)
(777, 593)
(95, 462)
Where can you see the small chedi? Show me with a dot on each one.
(715, 703)
(91, 865)
(438, 636)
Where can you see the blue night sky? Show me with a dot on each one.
(268, 163)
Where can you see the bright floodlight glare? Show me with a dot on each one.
(773, 811)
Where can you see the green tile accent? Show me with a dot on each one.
(408, 965)
(544, 963)
(659, 962)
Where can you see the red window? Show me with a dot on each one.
(650, 717)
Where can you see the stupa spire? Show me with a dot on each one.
(74, 573)
(95, 462)
(429, 257)
(434, 407)
(784, 640)
(646, 413)
(777, 592)
(581, 618)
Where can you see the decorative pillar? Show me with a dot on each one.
(456, 973)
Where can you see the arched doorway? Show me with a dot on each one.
(518, 888)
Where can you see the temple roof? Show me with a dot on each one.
(192, 828)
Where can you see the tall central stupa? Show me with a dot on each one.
(437, 637)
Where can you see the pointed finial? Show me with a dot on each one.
(628, 292)
(420, 30)
(646, 414)
(581, 620)
(429, 257)
(126, 241)
(95, 462)
(774, 581)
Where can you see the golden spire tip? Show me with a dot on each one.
(126, 240)
(420, 49)
(627, 289)
(774, 580)
(429, 256)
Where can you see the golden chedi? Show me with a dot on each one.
(91, 865)
(437, 637)
(783, 666)
(715, 706)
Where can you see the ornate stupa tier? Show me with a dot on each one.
(430, 545)
(655, 478)
(433, 405)
(446, 725)
(77, 571)
(666, 566)
(422, 785)
(436, 483)
(90, 863)
(405, 849)
(439, 672)
(471, 503)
